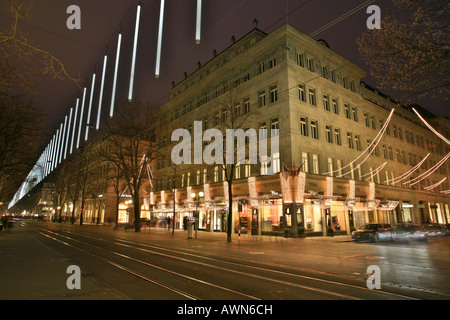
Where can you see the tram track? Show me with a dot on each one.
(334, 289)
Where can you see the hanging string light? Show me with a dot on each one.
(63, 140)
(371, 148)
(427, 173)
(408, 173)
(431, 128)
(435, 185)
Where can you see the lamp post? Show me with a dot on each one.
(196, 198)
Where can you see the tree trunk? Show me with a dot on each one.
(230, 211)
(137, 214)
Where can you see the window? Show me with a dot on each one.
(310, 64)
(302, 92)
(354, 114)
(339, 167)
(337, 136)
(312, 96)
(372, 121)
(366, 119)
(315, 164)
(199, 177)
(237, 171)
(182, 180)
(237, 109)
(247, 169)
(274, 125)
(330, 167)
(273, 93)
(326, 102)
(262, 98)
(358, 142)
(329, 133)
(304, 166)
(272, 63)
(205, 175)
(263, 127)
(304, 126)
(276, 166)
(350, 140)
(335, 105)
(216, 174)
(188, 181)
(314, 129)
(246, 105)
(347, 111)
(224, 115)
(301, 59)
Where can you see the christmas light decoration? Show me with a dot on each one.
(408, 173)
(301, 183)
(431, 128)
(81, 118)
(158, 53)
(116, 70)
(199, 21)
(88, 120)
(225, 191)
(133, 62)
(427, 173)
(253, 194)
(68, 133)
(63, 140)
(74, 125)
(435, 185)
(100, 99)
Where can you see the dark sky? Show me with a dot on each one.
(82, 51)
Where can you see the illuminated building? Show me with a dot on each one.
(327, 118)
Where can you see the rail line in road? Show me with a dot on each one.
(293, 283)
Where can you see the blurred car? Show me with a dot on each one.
(408, 232)
(435, 230)
(374, 232)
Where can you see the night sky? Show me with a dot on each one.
(82, 51)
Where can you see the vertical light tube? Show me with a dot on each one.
(100, 100)
(88, 120)
(44, 165)
(74, 125)
(81, 118)
(55, 150)
(59, 144)
(49, 160)
(68, 133)
(199, 22)
(63, 141)
(113, 98)
(133, 62)
(158, 53)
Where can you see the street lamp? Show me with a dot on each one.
(196, 198)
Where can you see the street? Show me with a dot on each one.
(154, 265)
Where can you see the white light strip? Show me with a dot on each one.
(408, 173)
(429, 172)
(431, 128)
(55, 150)
(199, 22)
(100, 100)
(50, 156)
(74, 125)
(158, 53)
(61, 132)
(81, 118)
(435, 185)
(63, 140)
(68, 133)
(88, 120)
(373, 145)
(116, 70)
(373, 173)
(133, 62)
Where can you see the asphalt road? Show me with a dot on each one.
(154, 265)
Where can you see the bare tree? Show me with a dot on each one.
(411, 56)
(129, 137)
